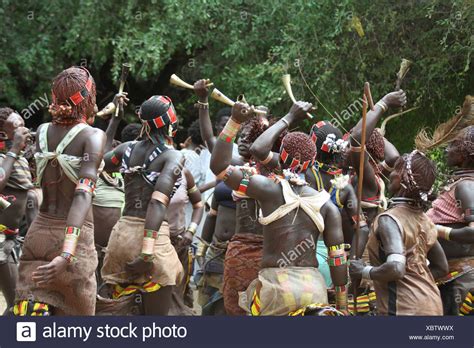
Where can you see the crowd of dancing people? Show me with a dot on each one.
(246, 217)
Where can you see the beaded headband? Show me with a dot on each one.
(168, 118)
(294, 164)
(408, 160)
(79, 96)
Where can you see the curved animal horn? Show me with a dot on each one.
(219, 96)
(175, 80)
(107, 110)
(287, 83)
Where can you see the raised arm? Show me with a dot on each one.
(120, 100)
(391, 155)
(205, 125)
(239, 179)
(394, 99)
(80, 206)
(262, 146)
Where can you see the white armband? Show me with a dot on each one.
(397, 258)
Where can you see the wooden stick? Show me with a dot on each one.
(123, 78)
(360, 180)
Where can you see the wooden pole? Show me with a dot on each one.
(366, 99)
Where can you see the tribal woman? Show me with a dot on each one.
(182, 237)
(15, 184)
(373, 191)
(244, 252)
(402, 241)
(453, 212)
(293, 217)
(139, 256)
(109, 194)
(56, 273)
(219, 225)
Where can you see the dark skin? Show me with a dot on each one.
(138, 203)
(392, 243)
(284, 234)
(370, 187)
(225, 223)
(105, 218)
(60, 199)
(14, 130)
(461, 243)
(391, 156)
(198, 212)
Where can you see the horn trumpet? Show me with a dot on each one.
(175, 80)
(219, 96)
(287, 83)
(109, 109)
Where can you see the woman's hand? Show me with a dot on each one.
(201, 90)
(121, 97)
(50, 272)
(186, 239)
(395, 99)
(139, 267)
(355, 268)
(242, 112)
(121, 100)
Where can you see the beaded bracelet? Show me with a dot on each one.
(85, 185)
(337, 247)
(341, 297)
(230, 131)
(146, 257)
(70, 242)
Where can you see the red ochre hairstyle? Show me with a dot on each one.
(299, 147)
(74, 96)
(376, 146)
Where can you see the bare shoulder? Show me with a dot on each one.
(330, 211)
(466, 185)
(465, 191)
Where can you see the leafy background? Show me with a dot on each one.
(245, 47)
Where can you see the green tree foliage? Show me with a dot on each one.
(245, 47)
